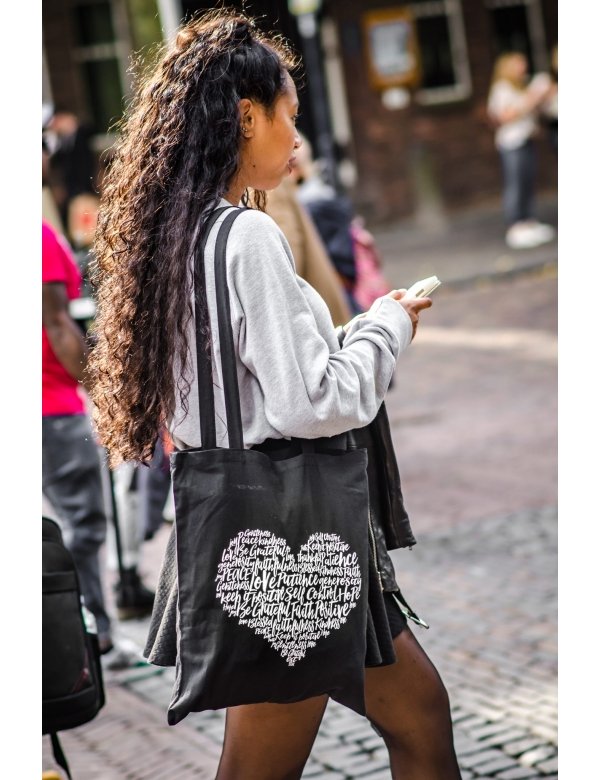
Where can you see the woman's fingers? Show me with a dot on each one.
(423, 303)
(413, 307)
(417, 303)
(397, 295)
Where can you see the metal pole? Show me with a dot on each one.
(115, 519)
(307, 26)
(170, 15)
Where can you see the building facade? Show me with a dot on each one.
(420, 149)
(436, 154)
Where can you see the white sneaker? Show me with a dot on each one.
(544, 232)
(123, 654)
(522, 235)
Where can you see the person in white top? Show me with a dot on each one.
(514, 104)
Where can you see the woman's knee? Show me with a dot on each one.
(409, 702)
(435, 696)
(428, 719)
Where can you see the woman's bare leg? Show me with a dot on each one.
(408, 704)
(269, 741)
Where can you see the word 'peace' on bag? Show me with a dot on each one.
(272, 555)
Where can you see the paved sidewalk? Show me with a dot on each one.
(469, 249)
(484, 570)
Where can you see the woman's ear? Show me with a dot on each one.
(247, 119)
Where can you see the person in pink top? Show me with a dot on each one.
(63, 346)
(71, 475)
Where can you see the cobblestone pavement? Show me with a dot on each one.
(473, 412)
(488, 590)
(473, 408)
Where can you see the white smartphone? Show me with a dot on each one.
(424, 288)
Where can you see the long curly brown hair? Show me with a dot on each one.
(177, 153)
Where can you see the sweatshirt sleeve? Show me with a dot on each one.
(308, 390)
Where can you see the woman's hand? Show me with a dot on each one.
(413, 306)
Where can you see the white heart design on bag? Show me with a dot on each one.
(291, 601)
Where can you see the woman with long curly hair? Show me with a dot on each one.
(215, 121)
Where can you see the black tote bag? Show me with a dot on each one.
(272, 556)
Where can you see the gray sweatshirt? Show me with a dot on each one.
(294, 379)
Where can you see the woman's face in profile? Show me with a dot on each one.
(268, 148)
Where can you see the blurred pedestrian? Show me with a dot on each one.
(310, 256)
(514, 105)
(50, 212)
(370, 282)
(332, 215)
(349, 244)
(133, 599)
(73, 172)
(140, 496)
(71, 476)
(155, 488)
(216, 118)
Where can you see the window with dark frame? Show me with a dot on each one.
(443, 50)
(517, 25)
(436, 52)
(97, 51)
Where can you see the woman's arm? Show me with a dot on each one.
(308, 390)
(65, 337)
(506, 105)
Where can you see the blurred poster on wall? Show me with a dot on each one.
(392, 48)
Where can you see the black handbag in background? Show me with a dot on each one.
(272, 556)
(72, 682)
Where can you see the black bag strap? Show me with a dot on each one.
(206, 399)
(58, 754)
(228, 362)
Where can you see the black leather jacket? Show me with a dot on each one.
(388, 520)
(389, 523)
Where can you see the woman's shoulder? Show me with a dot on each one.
(254, 228)
(256, 231)
(255, 222)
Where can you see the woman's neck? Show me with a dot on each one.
(235, 191)
(232, 196)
